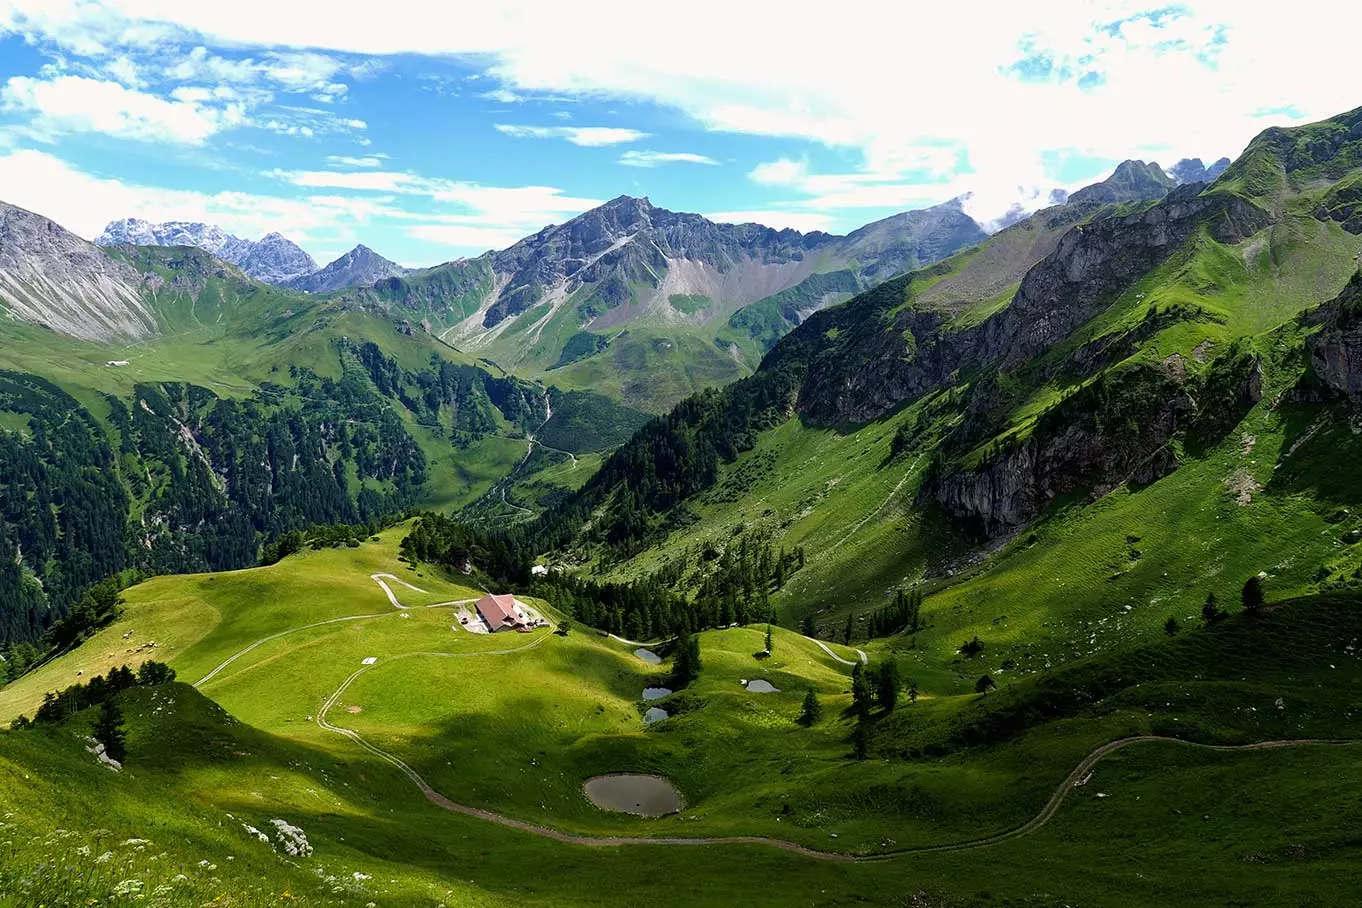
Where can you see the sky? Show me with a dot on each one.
(433, 131)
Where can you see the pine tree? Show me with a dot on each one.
(108, 730)
(912, 691)
(1210, 611)
(887, 686)
(860, 742)
(1252, 596)
(846, 631)
(812, 711)
(768, 639)
(1171, 626)
(984, 685)
(860, 691)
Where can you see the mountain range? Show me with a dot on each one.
(273, 258)
(1083, 485)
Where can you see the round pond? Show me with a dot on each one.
(636, 793)
(762, 687)
(655, 714)
(648, 656)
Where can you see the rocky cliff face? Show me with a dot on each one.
(865, 373)
(359, 267)
(274, 259)
(50, 276)
(1118, 430)
(1336, 349)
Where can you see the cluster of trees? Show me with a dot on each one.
(639, 610)
(736, 584)
(209, 478)
(879, 685)
(59, 706)
(463, 398)
(903, 615)
(63, 510)
(686, 663)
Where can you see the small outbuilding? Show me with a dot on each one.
(502, 613)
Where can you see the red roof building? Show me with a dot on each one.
(501, 613)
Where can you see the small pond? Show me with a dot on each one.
(648, 656)
(762, 687)
(656, 693)
(655, 714)
(641, 795)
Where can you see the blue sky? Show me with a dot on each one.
(432, 133)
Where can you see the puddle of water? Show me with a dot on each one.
(656, 693)
(641, 795)
(648, 656)
(655, 714)
(762, 687)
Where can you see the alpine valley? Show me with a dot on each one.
(922, 566)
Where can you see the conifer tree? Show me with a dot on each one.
(108, 730)
(860, 691)
(812, 710)
(887, 686)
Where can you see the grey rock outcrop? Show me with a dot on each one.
(1336, 349)
(1091, 265)
(49, 276)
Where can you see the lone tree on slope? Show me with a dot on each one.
(1252, 596)
(887, 686)
(812, 710)
(768, 639)
(1171, 626)
(1210, 611)
(984, 685)
(860, 691)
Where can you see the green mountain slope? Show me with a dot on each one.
(1017, 411)
(247, 412)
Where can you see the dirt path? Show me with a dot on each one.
(865, 660)
(387, 590)
(1046, 814)
(855, 528)
(376, 578)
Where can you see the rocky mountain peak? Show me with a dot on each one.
(1133, 181)
(359, 267)
(279, 259)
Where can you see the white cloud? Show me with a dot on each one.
(803, 221)
(588, 136)
(1096, 79)
(633, 158)
(85, 203)
(67, 104)
(345, 160)
(781, 172)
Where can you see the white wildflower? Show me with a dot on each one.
(128, 887)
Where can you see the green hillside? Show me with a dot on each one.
(512, 725)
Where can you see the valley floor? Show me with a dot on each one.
(449, 768)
